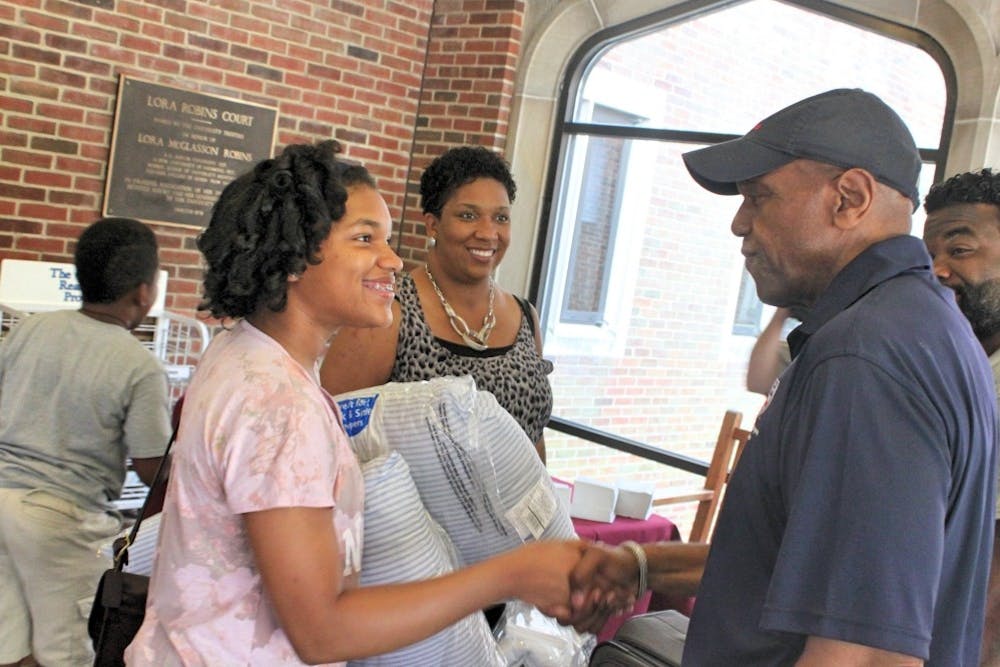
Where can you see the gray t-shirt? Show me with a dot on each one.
(76, 396)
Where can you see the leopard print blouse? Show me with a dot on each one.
(516, 374)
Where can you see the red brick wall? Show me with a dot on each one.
(467, 93)
(333, 68)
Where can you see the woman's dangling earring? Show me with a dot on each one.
(431, 241)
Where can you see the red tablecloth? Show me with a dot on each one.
(654, 529)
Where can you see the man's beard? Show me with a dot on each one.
(981, 306)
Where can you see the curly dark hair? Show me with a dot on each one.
(114, 256)
(971, 187)
(269, 223)
(456, 167)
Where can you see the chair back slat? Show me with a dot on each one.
(728, 449)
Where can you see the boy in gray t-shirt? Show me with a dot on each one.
(78, 393)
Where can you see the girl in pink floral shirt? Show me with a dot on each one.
(261, 537)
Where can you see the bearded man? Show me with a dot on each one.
(962, 233)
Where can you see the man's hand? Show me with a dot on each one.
(603, 583)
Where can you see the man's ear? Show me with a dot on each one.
(855, 190)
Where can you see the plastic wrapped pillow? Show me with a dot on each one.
(403, 543)
(477, 472)
(529, 638)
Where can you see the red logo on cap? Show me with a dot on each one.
(757, 126)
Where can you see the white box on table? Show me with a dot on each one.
(593, 500)
(635, 499)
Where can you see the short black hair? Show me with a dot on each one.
(971, 187)
(456, 167)
(114, 256)
(269, 223)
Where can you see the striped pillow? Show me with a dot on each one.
(403, 543)
(476, 471)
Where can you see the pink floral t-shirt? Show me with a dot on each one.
(258, 433)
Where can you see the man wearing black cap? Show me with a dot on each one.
(857, 527)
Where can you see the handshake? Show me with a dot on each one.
(583, 583)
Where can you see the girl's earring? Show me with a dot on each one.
(431, 241)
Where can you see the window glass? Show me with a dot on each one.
(604, 173)
(646, 309)
(725, 70)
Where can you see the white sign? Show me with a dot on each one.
(33, 286)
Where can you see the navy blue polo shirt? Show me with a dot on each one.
(862, 507)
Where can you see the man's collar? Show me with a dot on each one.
(875, 265)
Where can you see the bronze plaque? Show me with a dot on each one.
(173, 150)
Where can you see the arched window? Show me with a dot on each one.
(647, 311)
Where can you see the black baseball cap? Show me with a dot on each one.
(846, 127)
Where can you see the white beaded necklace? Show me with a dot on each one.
(474, 339)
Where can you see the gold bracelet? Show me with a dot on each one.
(640, 558)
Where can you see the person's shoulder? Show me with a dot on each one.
(910, 328)
(258, 359)
(900, 323)
(244, 343)
(909, 306)
(250, 372)
(48, 318)
(523, 304)
(63, 329)
(523, 308)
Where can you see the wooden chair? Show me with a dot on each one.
(728, 449)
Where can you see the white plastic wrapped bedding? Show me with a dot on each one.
(479, 479)
(403, 543)
(476, 471)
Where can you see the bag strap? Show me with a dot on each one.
(121, 555)
(526, 309)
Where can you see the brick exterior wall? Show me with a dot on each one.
(354, 71)
(467, 94)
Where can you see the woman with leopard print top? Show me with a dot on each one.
(450, 317)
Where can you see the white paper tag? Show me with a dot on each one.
(532, 515)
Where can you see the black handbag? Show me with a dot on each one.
(120, 602)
